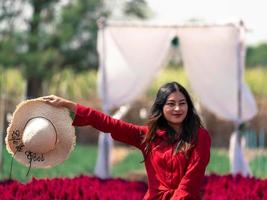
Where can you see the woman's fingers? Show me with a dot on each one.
(59, 102)
(51, 99)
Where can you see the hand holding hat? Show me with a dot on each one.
(59, 102)
(41, 135)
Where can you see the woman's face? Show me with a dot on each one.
(175, 109)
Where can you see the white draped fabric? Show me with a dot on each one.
(102, 167)
(133, 56)
(213, 56)
(238, 163)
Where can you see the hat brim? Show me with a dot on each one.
(65, 133)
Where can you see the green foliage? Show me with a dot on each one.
(257, 55)
(54, 37)
(76, 33)
(73, 86)
(44, 61)
(79, 86)
(7, 51)
(166, 75)
(256, 78)
(12, 84)
(137, 8)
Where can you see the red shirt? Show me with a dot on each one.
(169, 176)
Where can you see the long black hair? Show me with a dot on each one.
(156, 120)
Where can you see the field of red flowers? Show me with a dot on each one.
(234, 188)
(83, 187)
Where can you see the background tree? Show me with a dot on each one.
(44, 36)
(257, 55)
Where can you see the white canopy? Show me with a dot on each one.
(133, 53)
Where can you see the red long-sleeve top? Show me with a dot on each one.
(170, 176)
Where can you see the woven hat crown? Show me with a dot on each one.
(39, 135)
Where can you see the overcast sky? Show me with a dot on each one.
(252, 12)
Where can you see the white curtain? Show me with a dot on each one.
(133, 56)
(212, 57)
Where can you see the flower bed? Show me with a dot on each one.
(83, 187)
(234, 187)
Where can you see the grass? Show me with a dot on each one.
(219, 162)
(259, 166)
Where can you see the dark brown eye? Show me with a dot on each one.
(170, 104)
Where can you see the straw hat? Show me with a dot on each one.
(40, 135)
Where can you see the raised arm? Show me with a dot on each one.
(120, 130)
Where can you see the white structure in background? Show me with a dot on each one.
(131, 54)
(238, 163)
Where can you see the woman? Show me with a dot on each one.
(175, 146)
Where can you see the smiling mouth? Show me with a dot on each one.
(177, 115)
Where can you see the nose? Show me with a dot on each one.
(176, 107)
